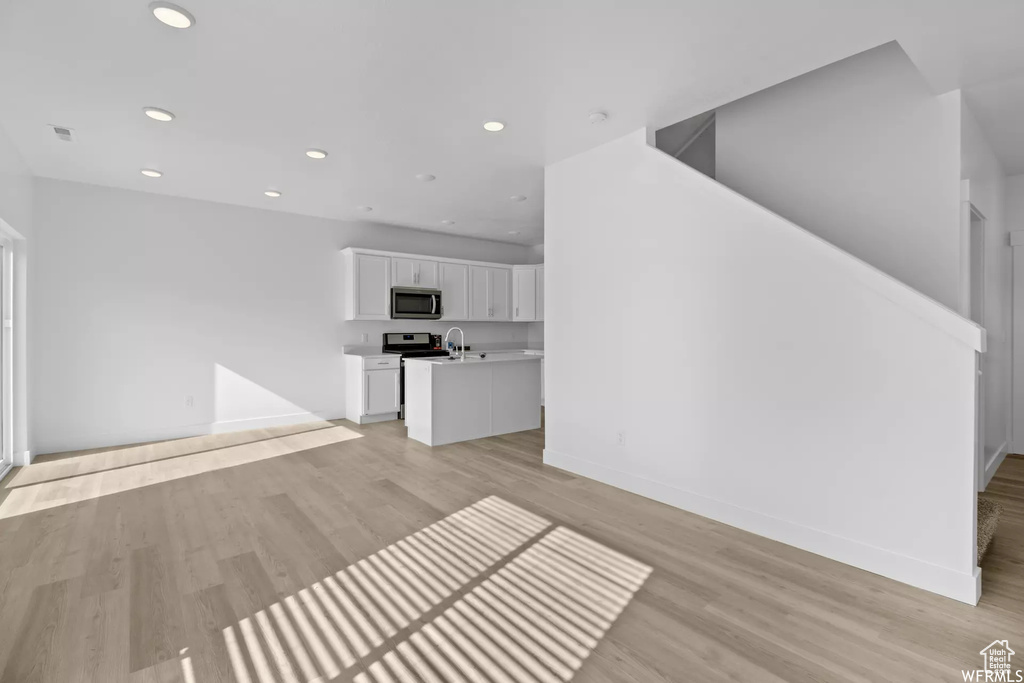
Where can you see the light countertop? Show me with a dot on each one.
(365, 351)
(508, 356)
(375, 352)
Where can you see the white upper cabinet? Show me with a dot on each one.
(454, 291)
(469, 290)
(368, 284)
(479, 299)
(540, 296)
(411, 272)
(501, 294)
(490, 293)
(524, 293)
(528, 293)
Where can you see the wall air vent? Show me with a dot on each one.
(65, 134)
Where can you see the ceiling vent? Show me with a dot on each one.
(65, 134)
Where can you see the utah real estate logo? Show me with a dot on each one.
(997, 667)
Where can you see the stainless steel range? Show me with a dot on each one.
(411, 345)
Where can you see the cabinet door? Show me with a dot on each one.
(454, 291)
(380, 391)
(540, 294)
(501, 294)
(373, 287)
(524, 294)
(403, 272)
(408, 272)
(479, 301)
(426, 274)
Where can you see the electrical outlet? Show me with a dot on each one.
(365, 337)
(622, 438)
(189, 402)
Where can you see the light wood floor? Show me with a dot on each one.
(279, 555)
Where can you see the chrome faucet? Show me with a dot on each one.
(462, 338)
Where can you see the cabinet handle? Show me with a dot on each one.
(382, 362)
(517, 311)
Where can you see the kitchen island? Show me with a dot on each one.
(447, 401)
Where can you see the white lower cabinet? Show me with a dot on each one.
(381, 391)
(373, 387)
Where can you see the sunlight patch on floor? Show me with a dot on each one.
(491, 592)
(42, 496)
(103, 459)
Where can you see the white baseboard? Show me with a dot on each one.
(22, 458)
(370, 419)
(992, 463)
(930, 577)
(83, 442)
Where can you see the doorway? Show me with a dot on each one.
(976, 312)
(6, 357)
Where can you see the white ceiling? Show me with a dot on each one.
(393, 88)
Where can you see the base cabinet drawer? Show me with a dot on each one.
(379, 363)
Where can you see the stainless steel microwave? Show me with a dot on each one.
(419, 303)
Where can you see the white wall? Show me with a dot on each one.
(140, 300)
(982, 168)
(795, 392)
(1015, 224)
(862, 154)
(15, 187)
(16, 212)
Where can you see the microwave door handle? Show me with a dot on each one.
(433, 304)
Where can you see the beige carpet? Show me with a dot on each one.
(988, 519)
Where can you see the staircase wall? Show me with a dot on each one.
(771, 381)
(861, 153)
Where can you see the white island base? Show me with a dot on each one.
(457, 400)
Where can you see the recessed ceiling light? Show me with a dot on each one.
(158, 114)
(513, 232)
(272, 193)
(493, 126)
(448, 221)
(597, 117)
(518, 198)
(425, 177)
(365, 208)
(151, 173)
(316, 154)
(171, 14)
